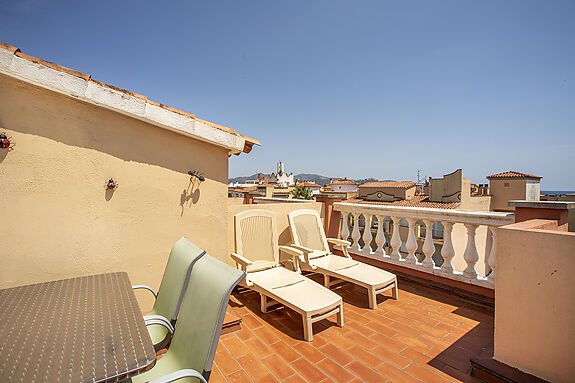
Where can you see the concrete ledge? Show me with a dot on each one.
(491, 370)
(557, 205)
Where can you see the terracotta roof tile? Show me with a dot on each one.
(249, 142)
(344, 181)
(387, 184)
(308, 184)
(513, 174)
(415, 201)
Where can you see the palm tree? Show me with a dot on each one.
(301, 192)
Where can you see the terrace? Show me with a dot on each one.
(455, 268)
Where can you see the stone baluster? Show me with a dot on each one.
(367, 237)
(395, 240)
(491, 260)
(428, 246)
(380, 237)
(344, 225)
(355, 236)
(411, 243)
(470, 255)
(447, 251)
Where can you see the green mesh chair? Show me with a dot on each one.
(168, 300)
(197, 332)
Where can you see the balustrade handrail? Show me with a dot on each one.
(458, 216)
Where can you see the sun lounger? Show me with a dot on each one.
(257, 253)
(308, 236)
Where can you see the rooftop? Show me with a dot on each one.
(344, 181)
(308, 184)
(415, 201)
(424, 336)
(513, 174)
(389, 184)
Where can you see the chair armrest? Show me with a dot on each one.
(341, 242)
(137, 287)
(241, 260)
(296, 252)
(180, 374)
(158, 319)
(305, 250)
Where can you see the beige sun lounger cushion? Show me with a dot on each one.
(308, 236)
(257, 253)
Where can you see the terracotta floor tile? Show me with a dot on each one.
(363, 329)
(269, 378)
(253, 366)
(415, 355)
(381, 328)
(286, 352)
(216, 376)
(279, 367)
(405, 329)
(238, 377)
(336, 354)
(226, 362)
(266, 335)
(388, 342)
(365, 356)
(258, 348)
(424, 374)
(412, 342)
(424, 335)
(391, 357)
(309, 352)
(335, 371)
(308, 370)
(235, 346)
(395, 374)
(364, 373)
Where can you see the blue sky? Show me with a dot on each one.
(341, 88)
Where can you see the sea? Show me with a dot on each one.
(557, 192)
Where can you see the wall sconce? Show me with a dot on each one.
(196, 174)
(111, 185)
(5, 142)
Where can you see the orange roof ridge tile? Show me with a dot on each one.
(390, 184)
(513, 174)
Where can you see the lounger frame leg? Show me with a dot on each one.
(307, 328)
(263, 303)
(326, 280)
(372, 295)
(340, 315)
(395, 291)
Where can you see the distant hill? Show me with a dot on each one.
(317, 178)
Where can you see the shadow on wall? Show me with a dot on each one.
(35, 111)
(190, 195)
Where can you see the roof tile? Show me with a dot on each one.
(389, 184)
(415, 201)
(513, 174)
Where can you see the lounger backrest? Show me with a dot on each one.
(182, 258)
(257, 238)
(307, 229)
(203, 309)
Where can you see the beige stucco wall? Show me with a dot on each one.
(534, 301)
(281, 210)
(500, 194)
(58, 221)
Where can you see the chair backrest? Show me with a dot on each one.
(257, 237)
(307, 230)
(182, 258)
(200, 322)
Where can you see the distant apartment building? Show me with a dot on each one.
(343, 185)
(513, 185)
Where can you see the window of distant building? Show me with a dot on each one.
(506, 184)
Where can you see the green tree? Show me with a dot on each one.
(301, 192)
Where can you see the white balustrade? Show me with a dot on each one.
(380, 237)
(355, 236)
(469, 256)
(428, 246)
(367, 237)
(344, 226)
